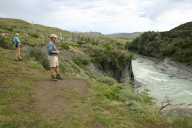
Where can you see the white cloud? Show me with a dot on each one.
(107, 16)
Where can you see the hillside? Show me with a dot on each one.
(33, 34)
(96, 91)
(175, 44)
(184, 27)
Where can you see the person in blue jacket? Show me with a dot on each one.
(53, 58)
(17, 43)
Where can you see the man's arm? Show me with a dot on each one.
(52, 50)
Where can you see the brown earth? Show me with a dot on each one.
(54, 99)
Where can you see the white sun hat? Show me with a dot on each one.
(17, 34)
(53, 36)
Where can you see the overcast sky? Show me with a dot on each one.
(106, 16)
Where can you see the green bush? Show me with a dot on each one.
(127, 94)
(112, 92)
(34, 35)
(107, 80)
(82, 60)
(181, 122)
(39, 55)
(6, 42)
(65, 46)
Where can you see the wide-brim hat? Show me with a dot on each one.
(53, 36)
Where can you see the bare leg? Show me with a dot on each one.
(57, 70)
(19, 52)
(53, 73)
(58, 74)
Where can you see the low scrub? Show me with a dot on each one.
(82, 61)
(107, 80)
(6, 42)
(39, 55)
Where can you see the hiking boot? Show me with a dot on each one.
(20, 59)
(16, 59)
(59, 77)
(53, 78)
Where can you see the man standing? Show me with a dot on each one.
(53, 53)
(17, 43)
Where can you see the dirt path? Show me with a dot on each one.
(56, 99)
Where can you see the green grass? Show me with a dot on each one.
(17, 79)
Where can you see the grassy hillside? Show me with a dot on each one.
(90, 96)
(29, 99)
(32, 34)
(107, 54)
(176, 44)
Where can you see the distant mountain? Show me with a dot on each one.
(125, 35)
(175, 44)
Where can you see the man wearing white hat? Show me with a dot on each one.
(53, 53)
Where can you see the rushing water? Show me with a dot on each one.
(164, 80)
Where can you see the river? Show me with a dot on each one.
(165, 80)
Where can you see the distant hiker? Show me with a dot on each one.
(17, 43)
(53, 53)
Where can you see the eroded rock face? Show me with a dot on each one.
(123, 75)
(127, 74)
(114, 61)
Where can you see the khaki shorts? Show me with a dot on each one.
(53, 61)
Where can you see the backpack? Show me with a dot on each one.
(13, 41)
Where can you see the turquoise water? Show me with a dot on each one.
(164, 80)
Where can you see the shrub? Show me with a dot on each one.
(181, 122)
(34, 35)
(65, 46)
(112, 93)
(39, 55)
(107, 80)
(82, 60)
(6, 43)
(127, 94)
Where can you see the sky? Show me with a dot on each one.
(105, 16)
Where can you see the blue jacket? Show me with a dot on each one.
(52, 49)
(16, 40)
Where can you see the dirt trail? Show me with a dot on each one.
(55, 99)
